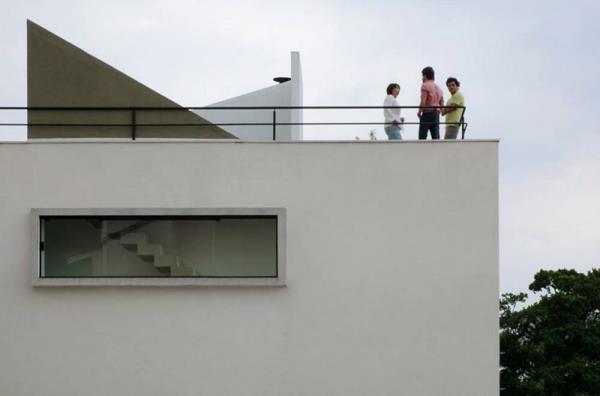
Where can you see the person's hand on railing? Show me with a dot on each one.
(449, 109)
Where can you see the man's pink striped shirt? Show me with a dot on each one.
(431, 95)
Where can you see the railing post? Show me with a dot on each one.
(462, 122)
(274, 125)
(133, 124)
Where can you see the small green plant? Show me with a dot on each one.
(372, 135)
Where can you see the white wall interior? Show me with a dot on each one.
(392, 272)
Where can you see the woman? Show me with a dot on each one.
(393, 121)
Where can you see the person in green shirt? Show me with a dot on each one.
(453, 114)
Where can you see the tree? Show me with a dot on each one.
(552, 346)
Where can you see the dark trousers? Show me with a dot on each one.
(430, 121)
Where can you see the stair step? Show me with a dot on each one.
(166, 260)
(133, 239)
(149, 250)
(182, 270)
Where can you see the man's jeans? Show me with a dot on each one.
(430, 121)
(393, 132)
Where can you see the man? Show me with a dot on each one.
(454, 113)
(431, 96)
(393, 121)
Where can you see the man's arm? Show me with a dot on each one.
(423, 101)
(453, 108)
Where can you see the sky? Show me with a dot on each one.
(527, 71)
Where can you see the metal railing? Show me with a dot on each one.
(135, 111)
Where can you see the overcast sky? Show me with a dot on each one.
(528, 71)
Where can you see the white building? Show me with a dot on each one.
(232, 267)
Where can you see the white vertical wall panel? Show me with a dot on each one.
(285, 94)
(392, 272)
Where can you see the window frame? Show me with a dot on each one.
(38, 280)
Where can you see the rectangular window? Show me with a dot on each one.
(159, 246)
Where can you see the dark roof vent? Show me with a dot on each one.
(281, 79)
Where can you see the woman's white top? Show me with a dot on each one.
(391, 114)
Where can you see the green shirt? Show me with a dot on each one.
(459, 100)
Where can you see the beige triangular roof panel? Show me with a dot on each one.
(61, 75)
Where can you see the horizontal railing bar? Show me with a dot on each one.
(80, 108)
(136, 109)
(229, 124)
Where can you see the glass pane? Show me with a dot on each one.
(159, 246)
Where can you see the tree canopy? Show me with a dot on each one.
(552, 346)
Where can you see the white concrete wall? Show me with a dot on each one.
(286, 94)
(392, 273)
(296, 97)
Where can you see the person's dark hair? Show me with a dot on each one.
(391, 87)
(428, 73)
(454, 80)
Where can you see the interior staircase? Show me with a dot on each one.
(155, 253)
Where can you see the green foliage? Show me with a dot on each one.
(552, 347)
(372, 135)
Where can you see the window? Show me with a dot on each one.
(159, 247)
